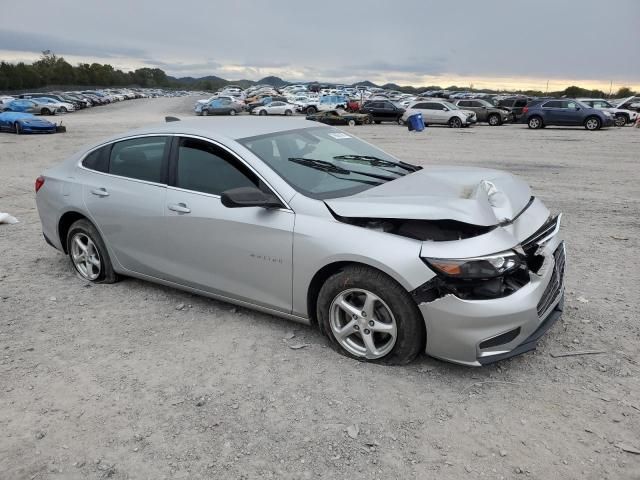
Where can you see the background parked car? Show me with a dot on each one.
(18, 122)
(275, 108)
(485, 111)
(383, 111)
(565, 112)
(515, 104)
(440, 112)
(57, 105)
(219, 106)
(622, 116)
(333, 117)
(30, 105)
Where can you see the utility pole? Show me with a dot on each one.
(547, 90)
(610, 88)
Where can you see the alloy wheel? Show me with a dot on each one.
(592, 124)
(85, 256)
(494, 120)
(363, 324)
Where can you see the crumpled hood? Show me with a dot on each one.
(477, 196)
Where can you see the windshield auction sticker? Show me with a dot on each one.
(339, 136)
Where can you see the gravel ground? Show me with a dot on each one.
(115, 381)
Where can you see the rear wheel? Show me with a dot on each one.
(494, 120)
(592, 123)
(288, 113)
(311, 110)
(370, 317)
(367, 120)
(88, 253)
(535, 122)
(455, 122)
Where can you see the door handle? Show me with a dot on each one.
(100, 192)
(180, 208)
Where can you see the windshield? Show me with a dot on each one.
(324, 162)
(484, 103)
(450, 105)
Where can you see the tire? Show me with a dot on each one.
(377, 122)
(232, 112)
(288, 113)
(351, 123)
(400, 121)
(455, 122)
(393, 323)
(592, 123)
(63, 109)
(16, 127)
(368, 120)
(45, 111)
(262, 113)
(620, 121)
(83, 239)
(205, 112)
(494, 120)
(311, 110)
(535, 122)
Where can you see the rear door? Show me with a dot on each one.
(241, 253)
(124, 192)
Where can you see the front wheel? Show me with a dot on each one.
(262, 113)
(370, 317)
(367, 120)
(592, 123)
(311, 110)
(205, 113)
(494, 120)
(351, 123)
(620, 121)
(455, 122)
(288, 113)
(400, 121)
(16, 127)
(45, 111)
(88, 253)
(232, 112)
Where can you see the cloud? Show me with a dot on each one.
(37, 42)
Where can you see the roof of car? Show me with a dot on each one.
(225, 127)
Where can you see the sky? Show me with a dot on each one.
(504, 44)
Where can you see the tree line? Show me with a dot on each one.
(53, 70)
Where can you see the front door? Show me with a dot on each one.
(242, 253)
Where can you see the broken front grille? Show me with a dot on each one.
(554, 288)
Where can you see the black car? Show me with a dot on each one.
(333, 117)
(515, 104)
(383, 111)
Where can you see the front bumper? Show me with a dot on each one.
(478, 332)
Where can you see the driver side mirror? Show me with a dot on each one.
(249, 197)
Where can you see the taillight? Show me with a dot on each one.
(39, 182)
(525, 109)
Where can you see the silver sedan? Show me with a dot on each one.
(309, 223)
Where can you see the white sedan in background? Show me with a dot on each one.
(275, 108)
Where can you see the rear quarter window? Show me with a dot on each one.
(98, 160)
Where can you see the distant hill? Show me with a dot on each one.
(273, 81)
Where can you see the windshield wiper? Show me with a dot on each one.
(378, 162)
(331, 167)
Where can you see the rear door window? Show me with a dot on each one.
(140, 158)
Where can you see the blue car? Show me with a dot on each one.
(19, 122)
(565, 112)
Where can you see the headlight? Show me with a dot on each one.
(477, 267)
(607, 114)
